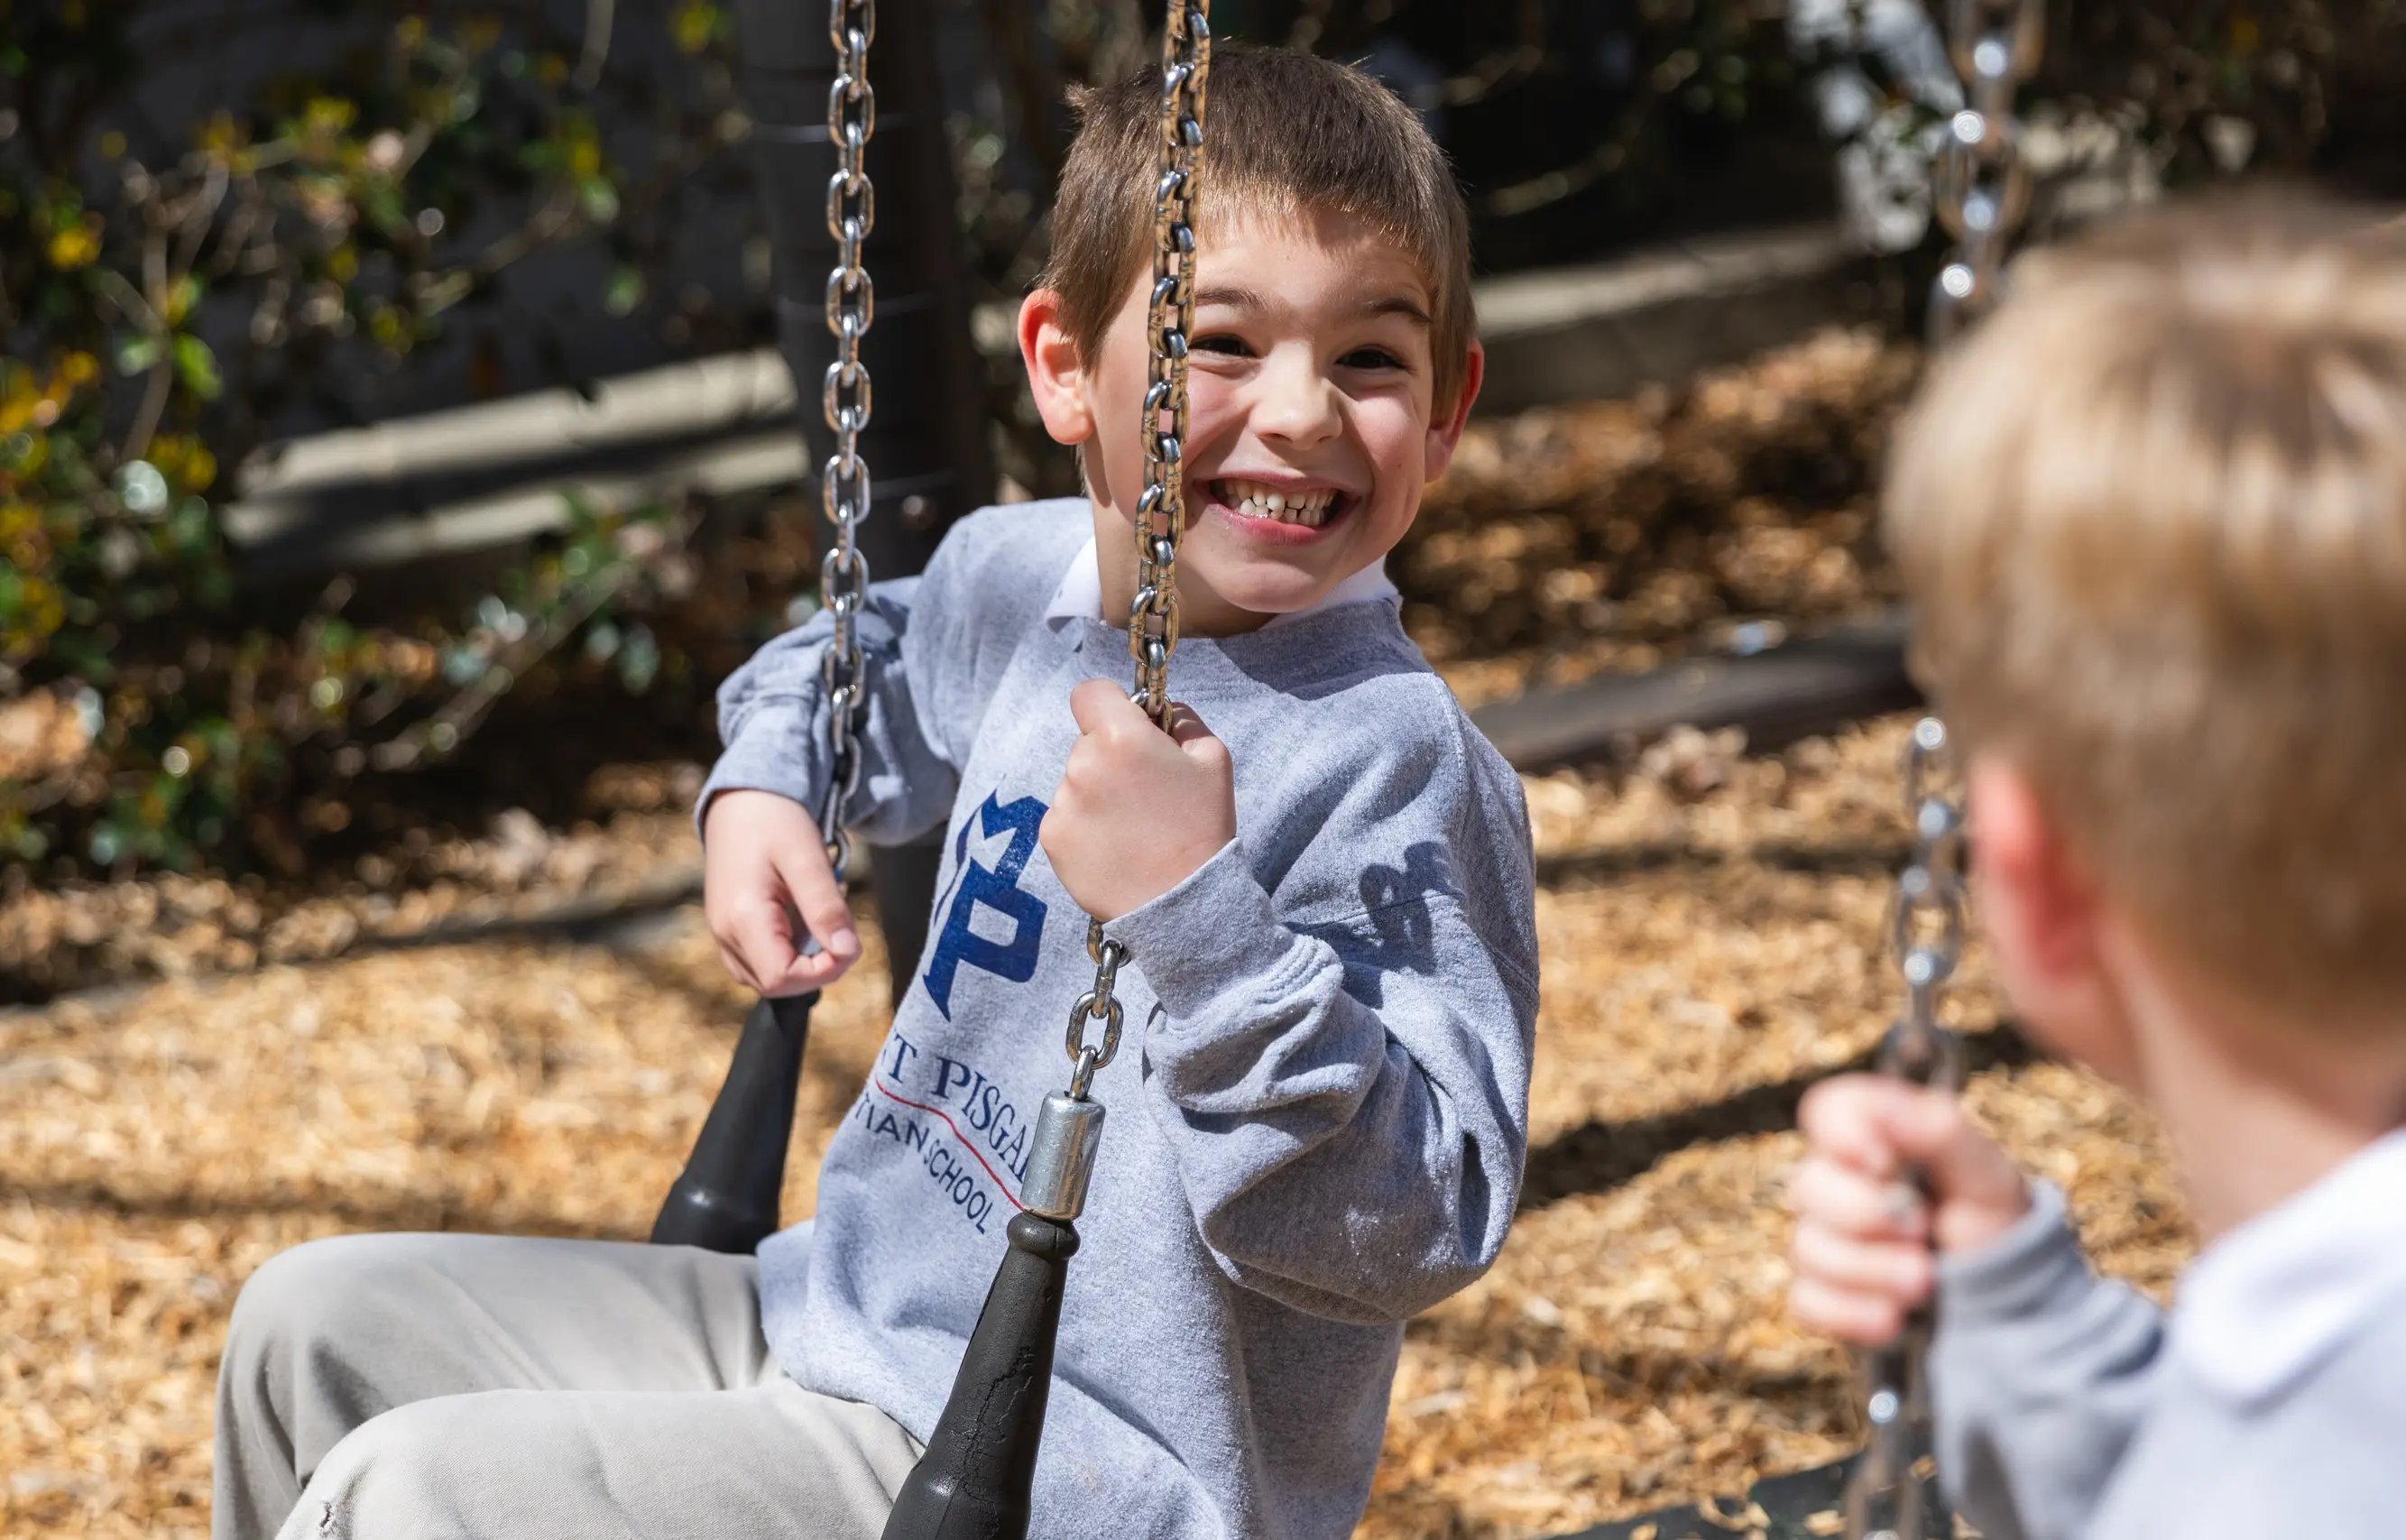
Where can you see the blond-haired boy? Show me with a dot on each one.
(2153, 519)
(1321, 1116)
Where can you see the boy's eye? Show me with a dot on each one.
(1221, 341)
(1371, 358)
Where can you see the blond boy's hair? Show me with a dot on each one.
(2152, 515)
(1286, 133)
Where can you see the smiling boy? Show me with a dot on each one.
(1323, 880)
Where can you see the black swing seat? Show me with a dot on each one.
(727, 1198)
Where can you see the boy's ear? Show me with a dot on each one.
(2045, 915)
(1446, 432)
(1054, 377)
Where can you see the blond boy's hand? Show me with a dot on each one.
(1863, 1232)
(763, 863)
(1137, 812)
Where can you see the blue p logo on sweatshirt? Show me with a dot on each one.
(997, 889)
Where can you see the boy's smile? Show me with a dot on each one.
(1312, 427)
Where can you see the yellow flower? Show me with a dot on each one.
(584, 158)
(343, 265)
(78, 369)
(219, 136)
(78, 246)
(41, 606)
(693, 24)
(330, 113)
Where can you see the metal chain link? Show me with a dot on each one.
(1161, 512)
(845, 396)
(1980, 187)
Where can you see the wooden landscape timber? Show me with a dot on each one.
(1819, 685)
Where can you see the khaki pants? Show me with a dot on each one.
(487, 1387)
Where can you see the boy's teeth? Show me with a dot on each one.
(1253, 500)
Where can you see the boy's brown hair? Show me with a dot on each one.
(2152, 515)
(1283, 132)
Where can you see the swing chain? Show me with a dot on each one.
(1980, 188)
(845, 397)
(1981, 193)
(1981, 184)
(1161, 512)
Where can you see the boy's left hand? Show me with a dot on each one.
(1137, 812)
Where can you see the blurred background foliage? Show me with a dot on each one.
(226, 224)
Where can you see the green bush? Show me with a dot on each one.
(153, 313)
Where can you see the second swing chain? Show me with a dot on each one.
(1980, 189)
(845, 397)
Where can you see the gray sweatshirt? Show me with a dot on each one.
(2271, 1400)
(1317, 1118)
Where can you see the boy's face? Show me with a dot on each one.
(1310, 427)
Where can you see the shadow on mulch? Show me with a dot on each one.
(1596, 1157)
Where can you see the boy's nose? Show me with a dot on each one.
(1297, 402)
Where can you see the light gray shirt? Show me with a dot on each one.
(2269, 1401)
(1317, 1118)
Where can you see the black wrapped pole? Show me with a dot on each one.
(727, 1198)
(926, 439)
(973, 1482)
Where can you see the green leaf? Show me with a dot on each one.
(199, 367)
(191, 527)
(384, 210)
(599, 198)
(137, 355)
(624, 292)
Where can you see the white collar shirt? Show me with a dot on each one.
(1080, 595)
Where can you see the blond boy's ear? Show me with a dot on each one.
(2047, 923)
(1054, 374)
(1445, 433)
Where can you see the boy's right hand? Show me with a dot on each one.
(762, 862)
(1861, 1251)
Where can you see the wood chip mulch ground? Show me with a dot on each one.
(1709, 925)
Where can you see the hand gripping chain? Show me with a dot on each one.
(1885, 1501)
(845, 395)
